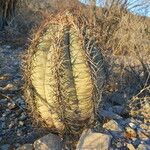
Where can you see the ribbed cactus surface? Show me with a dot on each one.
(60, 79)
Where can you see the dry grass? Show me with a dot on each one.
(124, 38)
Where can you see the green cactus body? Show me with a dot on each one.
(61, 78)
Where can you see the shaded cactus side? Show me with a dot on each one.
(62, 76)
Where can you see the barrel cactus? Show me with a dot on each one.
(63, 75)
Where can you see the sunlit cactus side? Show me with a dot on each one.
(62, 76)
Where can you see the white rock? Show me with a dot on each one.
(112, 125)
(23, 116)
(19, 133)
(119, 144)
(132, 125)
(94, 141)
(21, 123)
(11, 105)
(48, 142)
(26, 147)
(11, 124)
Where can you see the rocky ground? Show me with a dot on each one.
(15, 125)
(118, 132)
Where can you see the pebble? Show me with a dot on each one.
(144, 126)
(112, 125)
(11, 124)
(130, 147)
(130, 133)
(19, 133)
(48, 142)
(9, 87)
(94, 141)
(142, 135)
(119, 145)
(23, 116)
(143, 147)
(11, 105)
(21, 123)
(132, 125)
(4, 115)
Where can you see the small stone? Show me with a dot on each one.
(144, 126)
(119, 145)
(130, 147)
(142, 135)
(21, 123)
(19, 133)
(94, 141)
(133, 139)
(8, 87)
(143, 147)
(11, 105)
(4, 115)
(132, 125)
(11, 124)
(48, 142)
(3, 77)
(26, 147)
(5, 147)
(130, 133)
(112, 125)
(23, 116)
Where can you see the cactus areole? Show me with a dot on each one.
(60, 82)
